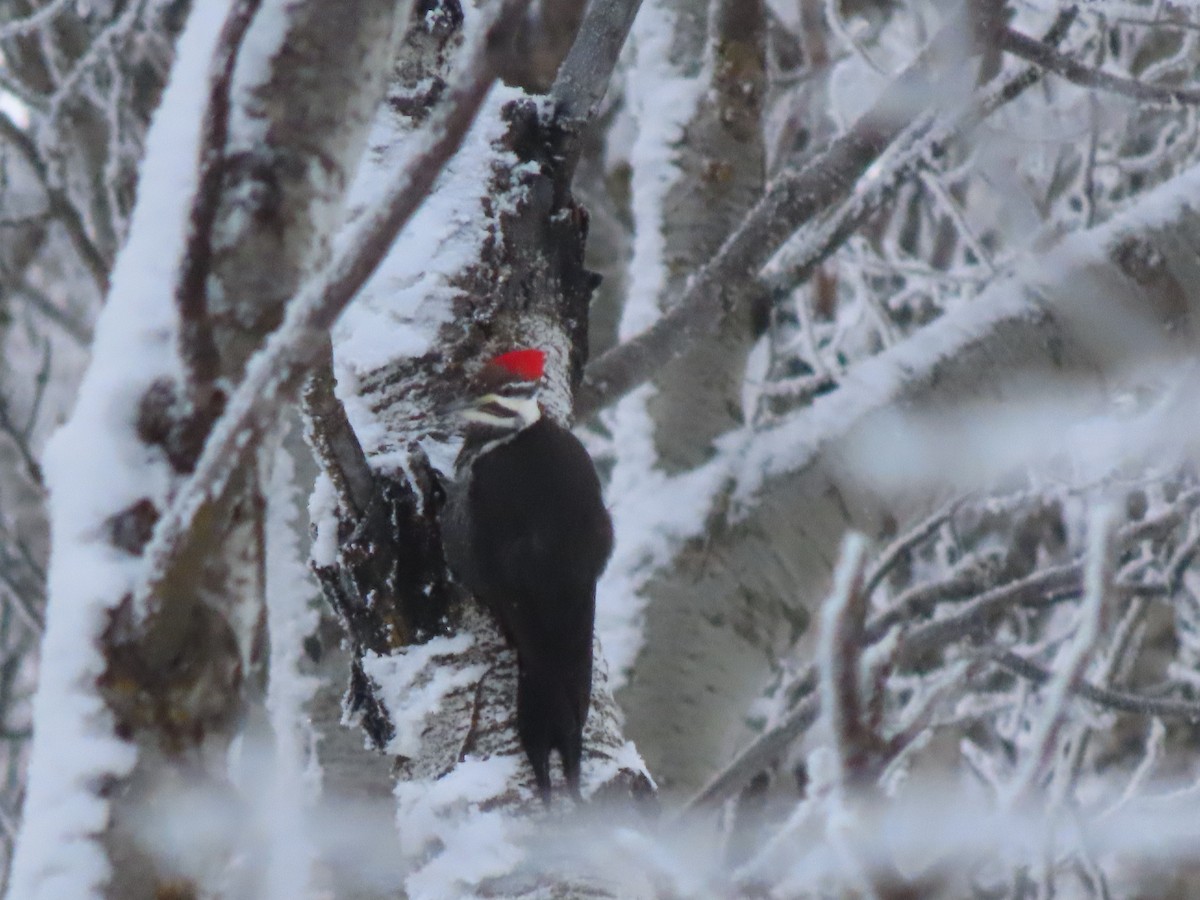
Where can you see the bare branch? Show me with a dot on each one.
(904, 544)
(20, 440)
(765, 750)
(78, 331)
(838, 662)
(197, 345)
(19, 595)
(1121, 701)
(983, 609)
(584, 75)
(332, 438)
(1050, 59)
(60, 204)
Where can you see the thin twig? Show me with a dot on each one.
(79, 332)
(40, 382)
(20, 441)
(1085, 76)
(986, 607)
(60, 204)
(1122, 701)
(839, 648)
(27, 593)
(14, 28)
(1093, 614)
(764, 750)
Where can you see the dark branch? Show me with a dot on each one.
(332, 438)
(197, 345)
(584, 75)
(1102, 696)
(78, 331)
(1085, 76)
(60, 204)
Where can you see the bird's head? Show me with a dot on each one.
(505, 393)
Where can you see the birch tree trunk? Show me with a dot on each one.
(181, 647)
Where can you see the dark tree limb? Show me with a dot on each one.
(60, 204)
(1120, 701)
(332, 438)
(584, 75)
(1051, 60)
(198, 348)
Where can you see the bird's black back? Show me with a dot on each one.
(539, 539)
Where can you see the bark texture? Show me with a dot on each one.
(720, 163)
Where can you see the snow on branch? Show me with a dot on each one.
(902, 432)
(792, 199)
(1072, 665)
(141, 690)
(275, 374)
(839, 665)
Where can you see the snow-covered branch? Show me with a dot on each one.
(155, 687)
(791, 199)
(1094, 309)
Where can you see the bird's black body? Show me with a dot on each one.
(528, 534)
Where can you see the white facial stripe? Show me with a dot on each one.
(504, 412)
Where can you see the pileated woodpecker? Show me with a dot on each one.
(526, 531)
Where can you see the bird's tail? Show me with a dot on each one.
(551, 710)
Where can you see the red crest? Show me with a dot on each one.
(529, 365)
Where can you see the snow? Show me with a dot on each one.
(95, 467)
(409, 299)
(653, 513)
(322, 513)
(474, 843)
(649, 509)
(412, 685)
(294, 783)
(600, 772)
(985, 441)
(662, 101)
